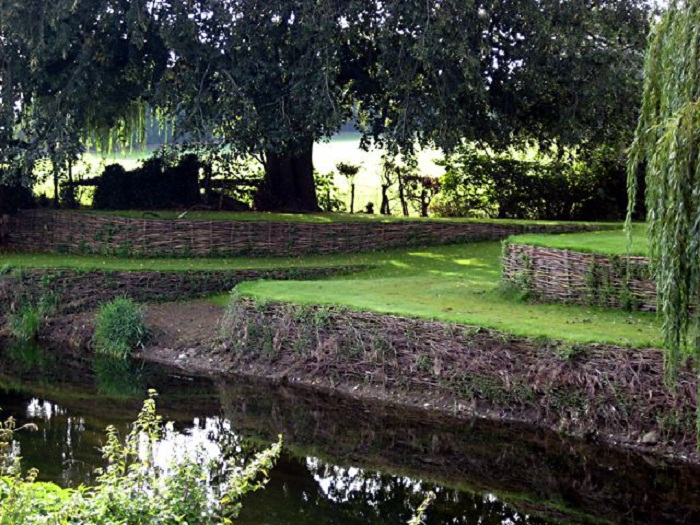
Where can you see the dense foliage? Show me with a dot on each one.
(133, 488)
(156, 184)
(71, 71)
(269, 79)
(667, 145)
(479, 184)
(14, 197)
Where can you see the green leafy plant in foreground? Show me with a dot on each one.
(417, 518)
(119, 328)
(132, 488)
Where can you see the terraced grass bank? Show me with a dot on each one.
(426, 326)
(124, 235)
(590, 268)
(69, 290)
(595, 390)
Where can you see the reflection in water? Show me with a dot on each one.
(119, 377)
(348, 462)
(27, 355)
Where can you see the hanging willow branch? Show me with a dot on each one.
(667, 143)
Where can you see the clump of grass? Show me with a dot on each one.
(24, 323)
(119, 328)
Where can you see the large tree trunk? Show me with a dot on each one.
(289, 182)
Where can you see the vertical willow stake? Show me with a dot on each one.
(667, 143)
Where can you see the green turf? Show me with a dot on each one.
(609, 242)
(316, 218)
(97, 262)
(459, 284)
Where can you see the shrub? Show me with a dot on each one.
(156, 184)
(25, 322)
(328, 193)
(13, 195)
(133, 488)
(119, 328)
(114, 189)
(477, 184)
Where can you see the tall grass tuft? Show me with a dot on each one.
(24, 324)
(119, 328)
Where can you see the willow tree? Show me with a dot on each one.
(72, 73)
(667, 145)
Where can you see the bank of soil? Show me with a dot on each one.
(602, 393)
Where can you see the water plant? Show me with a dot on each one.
(119, 328)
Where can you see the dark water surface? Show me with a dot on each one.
(345, 462)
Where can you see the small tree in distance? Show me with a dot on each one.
(349, 171)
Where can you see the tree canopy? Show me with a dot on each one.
(667, 145)
(269, 79)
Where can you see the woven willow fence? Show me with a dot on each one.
(73, 291)
(65, 232)
(574, 388)
(565, 276)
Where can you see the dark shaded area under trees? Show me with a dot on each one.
(269, 79)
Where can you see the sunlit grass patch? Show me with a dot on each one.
(460, 284)
(609, 242)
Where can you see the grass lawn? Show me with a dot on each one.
(315, 218)
(609, 242)
(99, 262)
(458, 283)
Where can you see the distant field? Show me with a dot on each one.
(345, 147)
(609, 242)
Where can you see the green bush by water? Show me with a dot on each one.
(119, 328)
(132, 488)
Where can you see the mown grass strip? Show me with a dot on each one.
(314, 218)
(99, 262)
(608, 242)
(460, 284)
(457, 283)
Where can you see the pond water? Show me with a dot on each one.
(345, 462)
